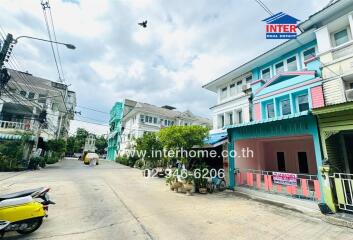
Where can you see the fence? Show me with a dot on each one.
(343, 184)
(18, 125)
(304, 186)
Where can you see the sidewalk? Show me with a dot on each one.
(306, 207)
(7, 175)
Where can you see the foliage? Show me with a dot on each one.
(182, 138)
(101, 144)
(35, 162)
(139, 164)
(57, 149)
(11, 153)
(127, 161)
(149, 143)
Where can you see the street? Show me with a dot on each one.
(111, 201)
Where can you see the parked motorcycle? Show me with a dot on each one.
(23, 211)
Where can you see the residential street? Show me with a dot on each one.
(111, 201)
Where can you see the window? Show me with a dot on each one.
(230, 118)
(42, 98)
(303, 162)
(239, 86)
(309, 53)
(30, 95)
(248, 79)
(224, 93)
(222, 121)
(266, 74)
(351, 85)
(23, 93)
(279, 67)
(285, 107)
(341, 37)
(155, 120)
(240, 116)
(292, 64)
(232, 89)
(142, 118)
(165, 122)
(303, 103)
(270, 110)
(281, 163)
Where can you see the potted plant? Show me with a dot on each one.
(189, 184)
(203, 185)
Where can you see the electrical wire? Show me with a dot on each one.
(264, 7)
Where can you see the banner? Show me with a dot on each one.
(288, 179)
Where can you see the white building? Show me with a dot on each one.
(143, 117)
(25, 97)
(233, 94)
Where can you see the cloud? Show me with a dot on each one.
(166, 63)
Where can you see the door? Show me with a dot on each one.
(303, 163)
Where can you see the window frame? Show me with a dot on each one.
(275, 69)
(333, 40)
(234, 89)
(280, 106)
(296, 60)
(261, 75)
(226, 92)
(267, 111)
(297, 101)
(302, 54)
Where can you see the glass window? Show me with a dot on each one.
(239, 86)
(23, 93)
(341, 37)
(303, 103)
(248, 79)
(150, 119)
(42, 98)
(224, 93)
(270, 110)
(292, 64)
(351, 85)
(285, 107)
(230, 118)
(232, 89)
(279, 67)
(166, 122)
(155, 120)
(266, 74)
(309, 53)
(30, 95)
(240, 116)
(146, 118)
(222, 120)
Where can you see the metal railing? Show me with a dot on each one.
(304, 186)
(29, 126)
(343, 183)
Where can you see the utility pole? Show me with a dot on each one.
(4, 57)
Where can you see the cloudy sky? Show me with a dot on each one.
(186, 44)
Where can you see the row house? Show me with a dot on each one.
(296, 113)
(22, 102)
(133, 119)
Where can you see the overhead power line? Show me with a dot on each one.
(264, 7)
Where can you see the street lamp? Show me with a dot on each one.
(68, 45)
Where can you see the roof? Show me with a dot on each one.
(346, 106)
(281, 18)
(4, 136)
(274, 119)
(262, 59)
(215, 138)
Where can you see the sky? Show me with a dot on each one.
(185, 45)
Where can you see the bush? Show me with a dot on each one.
(127, 161)
(52, 158)
(35, 162)
(139, 164)
(11, 153)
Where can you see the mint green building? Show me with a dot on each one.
(115, 123)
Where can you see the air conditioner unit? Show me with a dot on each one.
(246, 87)
(349, 94)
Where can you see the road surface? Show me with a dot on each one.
(111, 201)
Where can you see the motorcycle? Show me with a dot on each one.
(23, 211)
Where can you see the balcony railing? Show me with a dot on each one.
(29, 126)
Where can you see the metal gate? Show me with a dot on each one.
(343, 183)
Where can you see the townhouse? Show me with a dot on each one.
(299, 126)
(131, 120)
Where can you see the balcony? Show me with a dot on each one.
(343, 50)
(13, 127)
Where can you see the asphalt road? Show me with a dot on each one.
(111, 201)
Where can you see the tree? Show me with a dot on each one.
(101, 144)
(182, 137)
(150, 144)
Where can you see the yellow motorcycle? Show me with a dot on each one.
(23, 211)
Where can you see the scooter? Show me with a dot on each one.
(23, 211)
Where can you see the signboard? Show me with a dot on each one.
(289, 179)
(281, 26)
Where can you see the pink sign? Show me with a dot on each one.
(288, 179)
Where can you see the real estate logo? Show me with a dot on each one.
(281, 26)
